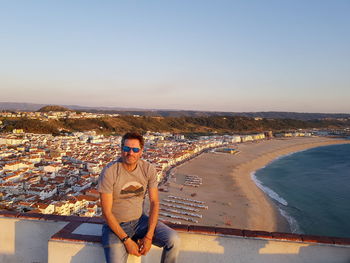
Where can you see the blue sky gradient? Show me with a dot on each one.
(198, 55)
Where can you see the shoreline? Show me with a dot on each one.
(228, 188)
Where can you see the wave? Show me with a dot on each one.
(272, 194)
(293, 224)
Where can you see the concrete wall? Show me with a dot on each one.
(203, 248)
(34, 241)
(23, 241)
(74, 252)
(213, 248)
(82, 252)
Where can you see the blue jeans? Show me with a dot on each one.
(164, 236)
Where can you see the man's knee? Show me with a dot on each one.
(174, 239)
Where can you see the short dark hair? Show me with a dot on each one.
(133, 135)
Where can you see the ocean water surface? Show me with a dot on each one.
(311, 189)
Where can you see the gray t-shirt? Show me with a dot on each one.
(128, 188)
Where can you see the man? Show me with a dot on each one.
(122, 186)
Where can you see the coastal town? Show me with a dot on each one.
(46, 174)
(42, 173)
(54, 115)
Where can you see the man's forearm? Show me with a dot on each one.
(130, 246)
(153, 218)
(114, 225)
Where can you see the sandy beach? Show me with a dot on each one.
(228, 190)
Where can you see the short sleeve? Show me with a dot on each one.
(105, 181)
(152, 181)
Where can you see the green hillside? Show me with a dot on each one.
(199, 125)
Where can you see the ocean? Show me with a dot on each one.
(311, 189)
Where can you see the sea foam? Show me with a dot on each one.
(272, 194)
(293, 224)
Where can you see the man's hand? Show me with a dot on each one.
(131, 247)
(145, 245)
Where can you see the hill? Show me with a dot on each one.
(186, 125)
(53, 108)
(11, 106)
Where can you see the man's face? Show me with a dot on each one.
(131, 157)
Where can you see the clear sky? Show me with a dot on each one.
(200, 55)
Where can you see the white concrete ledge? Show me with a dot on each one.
(39, 238)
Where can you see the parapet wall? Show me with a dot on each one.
(47, 238)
